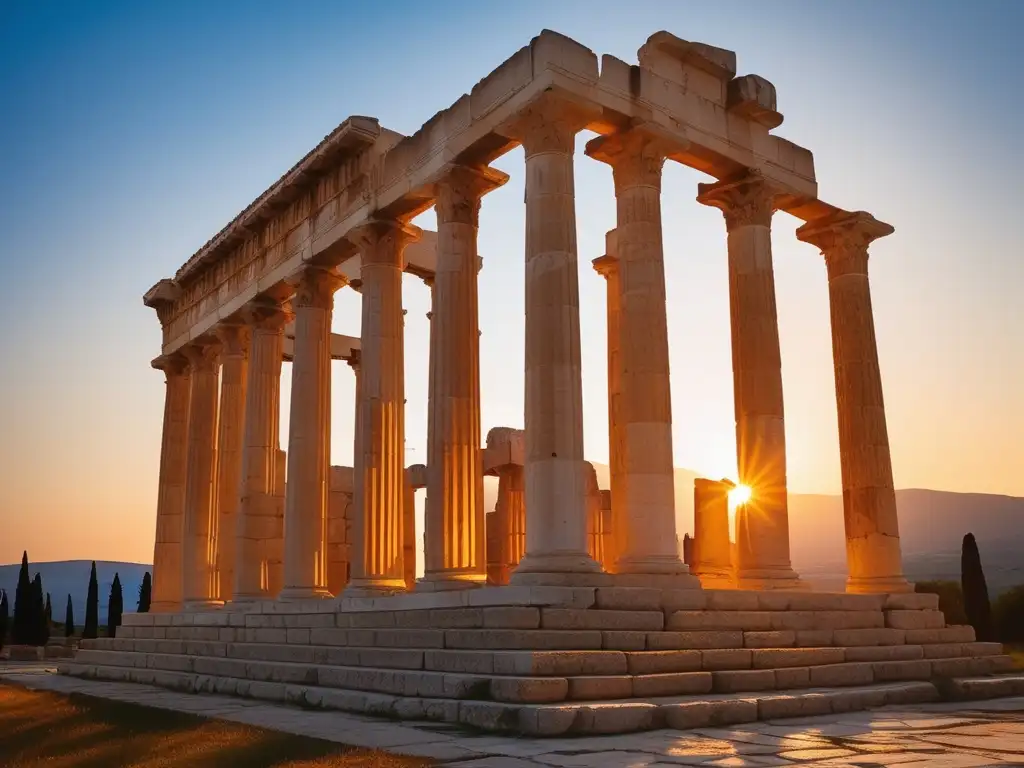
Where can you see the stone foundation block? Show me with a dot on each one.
(899, 619)
(876, 636)
(559, 663)
(701, 714)
(853, 673)
(569, 618)
(547, 720)
(600, 687)
(659, 662)
(960, 667)
(912, 601)
(801, 705)
(773, 658)
(511, 617)
(792, 677)
(943, 651)
(529, 690)
(609, 718)
(667, 641)
(818, 620)
(720, 620)
(814, 638)
(628, 599)
(471, 662)
(885, 653)
(404, 638)
(902, 670)
(734, 681)
(671, 684)
(613, 640)
(673, 600)
(521, 639)
(726, 658)
(732, 600)
(770, 639)
(955, 634)
(982, 649)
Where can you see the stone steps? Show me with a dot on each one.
(573, 717)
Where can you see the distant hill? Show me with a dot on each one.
(72, 577)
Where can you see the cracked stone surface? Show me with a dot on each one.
(979, 734)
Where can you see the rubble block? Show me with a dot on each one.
(563, 660)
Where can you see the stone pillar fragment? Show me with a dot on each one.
(380, 461)
(455, 551)
(170, 506)
(595, 518)
(199, 586)
(234, 339)
(608, 267)
(259, 522)
(556, 535)
(339, 510)
(305, 512)
(711, 559)
(748, 205)
(873, 553)
(649, 523)
(504, 457)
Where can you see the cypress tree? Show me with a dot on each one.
(145, 593)
(92, 607)
(972, 579)
(22, 630)
(38, 612)
(4, 608)
(45, 623)
(69, 619)
(115, 606)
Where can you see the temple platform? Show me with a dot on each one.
(551, 661)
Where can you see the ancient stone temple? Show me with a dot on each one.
(568, 607)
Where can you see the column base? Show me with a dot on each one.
(769, 579)
(661, 564)
(290, 594)
(165, 606)
(202, 605)
(246, 599)
(715, 577)
(445, 581)
(890, 585)
(374, 587)
(557, 562)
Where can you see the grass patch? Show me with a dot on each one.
(47, 729)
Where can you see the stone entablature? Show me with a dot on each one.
(688, 90)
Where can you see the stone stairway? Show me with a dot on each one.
(553, 660)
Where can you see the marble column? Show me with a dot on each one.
(748, 204)
(198, 555)
(258, 521)
(556, 533)
(380, 461)
(510, 508)
(649, 523)
(712, 548)
(873, 552)
(306, 494)
(355, 529)
(456, 554)
(170, 505)
(234, 339)
(608, 267)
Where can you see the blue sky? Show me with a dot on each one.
(133, 132)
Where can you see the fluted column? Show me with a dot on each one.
(456, 548)
(608, 267)
(510, 508)
(380, 462)
(556, 534)
(712, 549)
(234, 339)
(198, 565)
(306, 494)
(258, 521)
(170, 505)
(748, 205)
(649, 522)
(873, 555)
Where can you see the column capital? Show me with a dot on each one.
(203, 355)
(636, 155)
(549, 124)
(843, 238)
(267, 314)
(233, 338)
(315, 287)
(606, 265)
(354, 360)
(383, 241)
(460, 189)
(174, 364)
(745, 200)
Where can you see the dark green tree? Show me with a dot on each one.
(92, 607)
(69, 619)
(1008, 615)
(47, 622)
(115, 606)
(38, 612)
(21, 633)
(972, 579)
(951, 599)
(145, 593)
(4, 612)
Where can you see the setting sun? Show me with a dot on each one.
(739, 495)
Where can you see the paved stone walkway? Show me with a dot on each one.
(968, 735)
